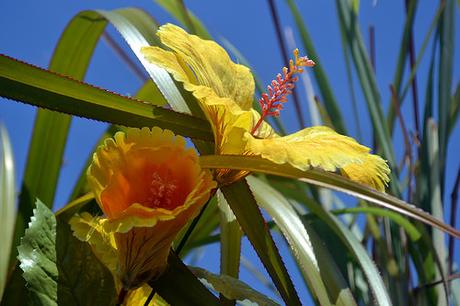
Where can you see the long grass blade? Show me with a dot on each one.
(316, 264)
(402, 57)
(178, 10)
(244, 206)
(230, 243)
(349, 24)
(71, 57)
(7, 204)
(328, 180)
(136, 40)
(445, 75)
(39, 87)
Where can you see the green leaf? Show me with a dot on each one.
(329, 99)
(232, 288)
(402, 58)
(455, 110)
(23, 82)
(359, 252)
(349, 24)
(178, 286)
(208, 223)
(420, 55)
(324, 179)
(413, 233)
(37, 255)
(136, 40)
(149, 93)
(81, 187)
(316, 264)
(437, 207)
(424, 254)
(7, 204)
(71, 57)
(135, 30)
(79, 270)
(446, 63)
(244, 206)
(178, 10)
(348, 240)
(230, 242)
(58, 268)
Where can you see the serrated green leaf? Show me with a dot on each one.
(232, 288)
(325, 179)
(7, 204)
(42, 88)
(244, 206)
(37, 256)
(80, 271)
(149, 93)
(316, 264)
(58, 268)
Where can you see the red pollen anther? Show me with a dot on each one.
(280, 88)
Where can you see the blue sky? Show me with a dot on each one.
(31, 29)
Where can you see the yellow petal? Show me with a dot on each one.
(210, 63)
(373, 172)
(321, 147)
(138, 297)
(143, 251)
(265, 130)
(149, 185)
(129, 171)
(93, 230)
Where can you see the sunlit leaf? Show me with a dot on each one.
(316, 264)
(324, 179)
(243, 205)
(23, 82)
(232, 288)
(7, 203)
(178, 286)
(230, 242)
(37, 255)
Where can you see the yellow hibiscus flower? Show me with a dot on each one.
(225, 92)
(148, 185)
